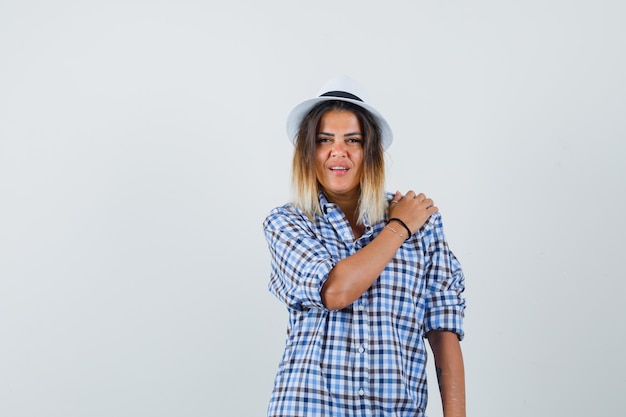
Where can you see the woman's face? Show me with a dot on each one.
(339, 160)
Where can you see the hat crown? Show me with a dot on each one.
(344, 84)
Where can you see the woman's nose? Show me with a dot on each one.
(338, 149)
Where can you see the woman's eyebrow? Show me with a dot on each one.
(347, 134)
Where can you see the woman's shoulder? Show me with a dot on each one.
(284, 214)
(284, 209)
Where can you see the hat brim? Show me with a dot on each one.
(301, 110)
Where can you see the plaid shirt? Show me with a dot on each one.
(368, 359)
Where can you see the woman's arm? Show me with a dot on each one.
(450, 371)
(352, 276)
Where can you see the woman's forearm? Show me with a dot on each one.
(450, 371)
(352, 276)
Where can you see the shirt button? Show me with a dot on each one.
(361, 392)
(361, 308)
(361, 349)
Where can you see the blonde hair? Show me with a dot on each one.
(372, 204)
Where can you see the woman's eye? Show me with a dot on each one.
(323, 140)
(354, 140)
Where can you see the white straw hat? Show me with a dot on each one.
(341, 88)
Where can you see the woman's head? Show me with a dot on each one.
(338, 150)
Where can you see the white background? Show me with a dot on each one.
(142, 143)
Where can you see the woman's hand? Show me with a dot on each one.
(413, 209)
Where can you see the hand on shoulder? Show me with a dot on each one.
(411, 208)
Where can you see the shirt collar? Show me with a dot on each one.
(327, 206)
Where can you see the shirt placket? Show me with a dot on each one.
(361, 350)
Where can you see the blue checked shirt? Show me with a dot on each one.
(368, 359)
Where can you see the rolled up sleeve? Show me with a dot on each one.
(445, 305)
(299, 263)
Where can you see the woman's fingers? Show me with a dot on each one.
(414, 209)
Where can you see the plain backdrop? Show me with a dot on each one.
(142, 143)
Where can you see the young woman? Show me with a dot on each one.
(365, 275)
